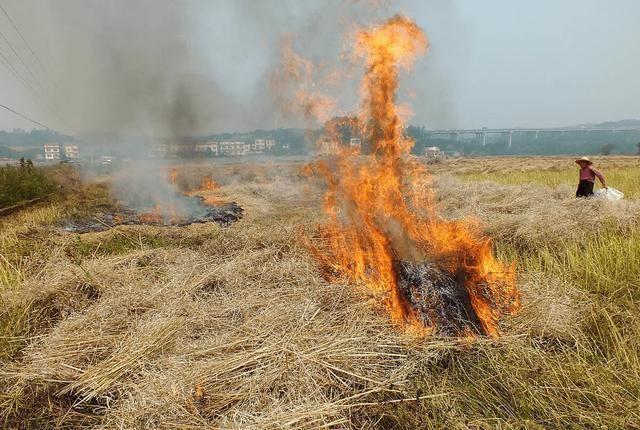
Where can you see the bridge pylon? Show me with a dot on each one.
(509, 135)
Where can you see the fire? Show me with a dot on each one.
(152, 217)
(173, 176)
(298, 85)
(162, 215)
(381, 208)
(208, 184)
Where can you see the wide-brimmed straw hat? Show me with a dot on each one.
(581, 159)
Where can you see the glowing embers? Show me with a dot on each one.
(442, 301)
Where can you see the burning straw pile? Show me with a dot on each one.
(158, 200)
(434, 275)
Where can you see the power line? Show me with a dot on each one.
(23, 38)
(24, 116)
(35, 79)
(49, 102)
(7, 63)
(16, 74)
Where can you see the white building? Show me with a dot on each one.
(71, 152)
(233, 149)
(51, 151)
(209, 148)
(269, 144)
(175, 148)
(259, 145)
(158, 150)
(327, 147)
(355, 143)
(106, 160)
(433, 153)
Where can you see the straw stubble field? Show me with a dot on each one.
(236, 327)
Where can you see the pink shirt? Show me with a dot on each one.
(589, 173)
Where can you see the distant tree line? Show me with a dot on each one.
(35, 137)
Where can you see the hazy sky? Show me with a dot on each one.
(495, 63)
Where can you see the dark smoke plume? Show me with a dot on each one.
(135, 71)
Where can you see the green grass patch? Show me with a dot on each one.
(521, 386)
(606, 264)
(116, 243)
(625, 179)
(23, 182)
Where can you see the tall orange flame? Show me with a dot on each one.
(381, 208)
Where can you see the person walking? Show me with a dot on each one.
(588, 175)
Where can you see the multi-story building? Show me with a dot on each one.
(51, 151)
(433, 153)
(269, 144)
(233, 149)
(158, 150)
(106, 160)
(175, 148)
(208, 148)
(71, 152)
(259, 145)
(180, 149)
(327, 146)
(56, 151)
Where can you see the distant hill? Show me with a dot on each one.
(622, 123)
(610, 124)
(31, 139)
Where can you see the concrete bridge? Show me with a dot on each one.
(481, 134)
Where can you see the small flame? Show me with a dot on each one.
(173, 176)
(152, 217)
(381, 209)
(163, 215)
(208, 184)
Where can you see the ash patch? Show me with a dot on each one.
(223, 214)
(439, 298)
